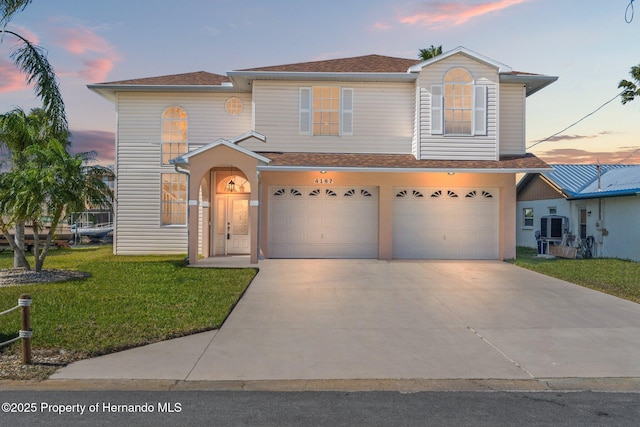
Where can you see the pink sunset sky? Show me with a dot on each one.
(587, 44)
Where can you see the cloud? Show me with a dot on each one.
(437, 14)
(565, 137)
(577, 156)
(96, 70)
(96, 54)
(10, 77)
(381, 26)
(209, 30)
(102, 142)
(81, 40)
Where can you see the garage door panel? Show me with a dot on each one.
(335, 222)
(445, 223)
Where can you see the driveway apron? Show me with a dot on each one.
(370, 319)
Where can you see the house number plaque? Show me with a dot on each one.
(323, 181)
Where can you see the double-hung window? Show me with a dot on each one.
(458, 106)
(527, 218)
(174, 199)
(326, 111)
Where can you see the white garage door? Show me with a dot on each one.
(440, 223)
(323, 222)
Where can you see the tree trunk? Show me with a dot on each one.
(19, 259)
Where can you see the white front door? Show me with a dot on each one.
(231, 225)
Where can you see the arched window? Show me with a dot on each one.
(458, 102)
(174, 133)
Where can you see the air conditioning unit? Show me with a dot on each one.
(553, 227)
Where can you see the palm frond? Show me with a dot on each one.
(32, 61)
(8, 8)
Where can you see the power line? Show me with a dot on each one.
(634, 152)
(628, 13)
(575, 123)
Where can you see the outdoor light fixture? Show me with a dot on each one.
(323, 172)
(231, 186)
(451, 173)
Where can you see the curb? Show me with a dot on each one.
(343, 385)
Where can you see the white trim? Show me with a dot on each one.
(267, 168)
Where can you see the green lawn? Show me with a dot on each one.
(128, 301)
(612, 276)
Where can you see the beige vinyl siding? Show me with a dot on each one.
(512, 119)
(458, 147)
(382, 118)
(138, 166)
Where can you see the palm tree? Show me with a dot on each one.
(32, 61)
(631, 89)
(430, 52)
(51, 182)
(18, 131)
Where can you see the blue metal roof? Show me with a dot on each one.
(581, 181)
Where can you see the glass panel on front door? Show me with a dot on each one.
(240, 217)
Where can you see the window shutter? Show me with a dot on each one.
(436, 110)
(346, 121)
(479, 110)
(305, 111)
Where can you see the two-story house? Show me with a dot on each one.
(364, 157)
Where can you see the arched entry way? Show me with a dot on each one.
(230, 225)
(237, 212)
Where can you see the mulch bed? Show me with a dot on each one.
(20, 276)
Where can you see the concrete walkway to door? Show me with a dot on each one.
(369, 319)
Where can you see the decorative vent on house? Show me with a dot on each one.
(330, 193)
(350, 193)
(437, 193)
(487, 195)
(401, 194)
(451, 193)
(471, 194)
(416, 193)
(365, 193)
(279, 192)
(295, 192)
(315, 192)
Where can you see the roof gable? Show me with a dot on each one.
(500, 67)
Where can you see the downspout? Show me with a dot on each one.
(260, 257)
(186, 172)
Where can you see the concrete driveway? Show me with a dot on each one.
(369, 319)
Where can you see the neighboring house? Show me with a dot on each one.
(364, 157)
(601, 201)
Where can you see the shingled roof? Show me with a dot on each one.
(199, 78)
(357, 64)
(398, 161)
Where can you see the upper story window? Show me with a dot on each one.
(458, 107)
(458, 98)
(326, 110)
(174, 133)
(234, 106)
